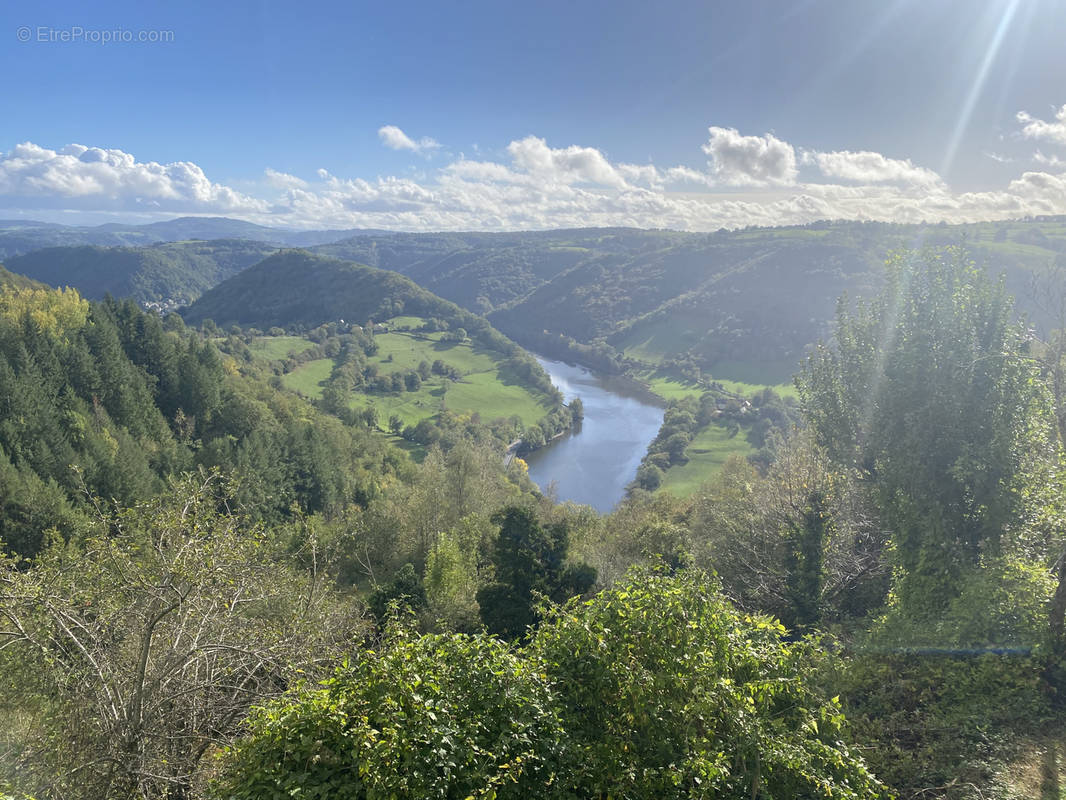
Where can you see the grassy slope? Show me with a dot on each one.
(706, 454)
(671, 388)
(482, 389)
(308, 377)
(275, 348)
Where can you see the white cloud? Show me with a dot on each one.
(566, 165)
(1052, 161)
(395, 139)
(482, 171)
(750, 160)
(868, 167)
(533, 186)
(282, 180)
(1034, 128)
(999, 159)
(81, 176)
(640, 175)
(685, 175)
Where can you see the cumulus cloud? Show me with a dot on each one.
(566, 165)
(395, 139)
(1034, 128)
(282, 180)
(750, 160)
(482, 171)
(681, 175)
(867, 167)
(641, 175)
(533, 186)
(81, 176)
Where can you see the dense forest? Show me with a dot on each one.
(173, 272)
(213, 585)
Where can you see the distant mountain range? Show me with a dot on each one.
(23, 236)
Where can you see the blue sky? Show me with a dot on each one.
(505, 115)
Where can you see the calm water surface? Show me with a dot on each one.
(593, 464)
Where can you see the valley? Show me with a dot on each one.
(332, 435)
(730, 313)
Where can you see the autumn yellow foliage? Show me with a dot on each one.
(52, 311)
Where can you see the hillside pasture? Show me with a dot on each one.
(706, 454)
(276, 348)
(484, 386)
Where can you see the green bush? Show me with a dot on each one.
(666, 691)
(657, 688)
(444, 716)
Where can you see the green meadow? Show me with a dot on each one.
(482, 389)
(309, 377)
(649, 341)
(706, 454)
(669, 387)
(275, 348)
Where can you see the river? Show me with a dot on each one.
(594, 462)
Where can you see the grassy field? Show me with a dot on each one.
(746, 378)
(408, 350)
(406, 322)
(670, 388)
(706, 455)
(485, 393)
(650, 340)
(307, 378)
(276, 348)
(481, 389)
(416, 452)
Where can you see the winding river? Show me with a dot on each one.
(594, 462)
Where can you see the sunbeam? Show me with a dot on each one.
(978, 84)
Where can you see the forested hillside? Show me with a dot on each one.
(733, 305)
(295, 287)
(109, 400)
(177, 272)
(18, 281)
(483, 271)
(165, 467)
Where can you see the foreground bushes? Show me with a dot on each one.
(944, 724)
(656, 688)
